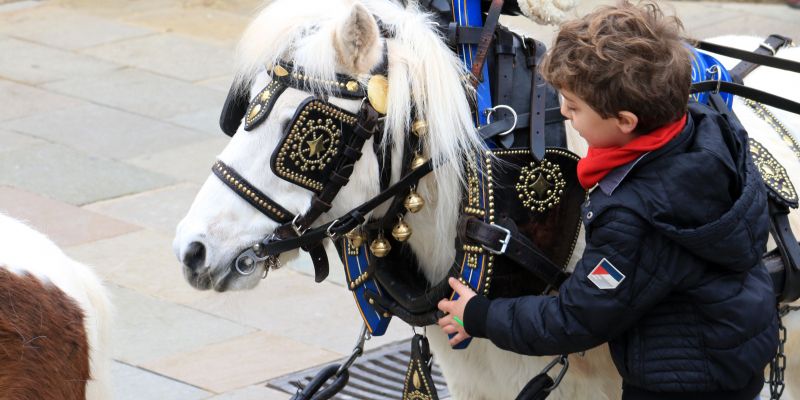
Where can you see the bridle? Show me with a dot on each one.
(322, 164)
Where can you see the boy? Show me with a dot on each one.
(676, 224)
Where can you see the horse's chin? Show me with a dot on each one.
(223, 279)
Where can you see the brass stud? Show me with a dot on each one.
(355, 237)
(352, 86)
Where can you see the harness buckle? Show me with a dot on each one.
(769, 47)
(503, 242)
(297, 229)
(714, 69)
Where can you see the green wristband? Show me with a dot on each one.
(458, 320)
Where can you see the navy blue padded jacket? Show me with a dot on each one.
(695, 311)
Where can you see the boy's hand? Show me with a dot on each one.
(455, 309)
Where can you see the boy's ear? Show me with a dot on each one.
(627, 121)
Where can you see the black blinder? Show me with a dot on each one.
(315, 137)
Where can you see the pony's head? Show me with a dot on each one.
(327, 40)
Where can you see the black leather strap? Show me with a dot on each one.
(538, 91)
(457, 34)
(386, 305)
(489, 26)
(518, 249)
(251, 194)
(770, 46)
(551, 115)
(789, 250)
(769, 61)
(504, 80)
(748, 92)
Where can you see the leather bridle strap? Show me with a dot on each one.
(366, 127)
(486, 39)
(769, 61)
(748, 92)
(770, 47)
(251, 194)
(347, 222)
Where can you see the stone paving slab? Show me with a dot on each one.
(191, 162)
(10, 141)
(147, 329)
(170, 55)
(291, 304)
(221, 83)
(132, 383)
(22, 101)
(35, 64)
(45, 169)
(140, 92)
(207, 24)
(158, 210)
(65, 29)
(142, 261)
(115, 134)
(241, 362)
(64, 223)
(206, 120)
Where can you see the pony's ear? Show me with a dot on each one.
(357, 41)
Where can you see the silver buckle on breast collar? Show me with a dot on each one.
(503, 242)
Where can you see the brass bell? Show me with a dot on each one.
(414, 202)
(419, 127)
(401, 231)
(355, 237)
(418, 161)
(380, 247)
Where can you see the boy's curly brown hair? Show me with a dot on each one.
(624, 58)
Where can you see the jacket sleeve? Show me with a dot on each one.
(584, 314)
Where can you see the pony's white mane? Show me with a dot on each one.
(423, 74)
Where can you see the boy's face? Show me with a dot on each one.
(599, 132)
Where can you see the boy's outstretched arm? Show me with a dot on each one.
(613, 284)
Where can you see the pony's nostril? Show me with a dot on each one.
(195, 256)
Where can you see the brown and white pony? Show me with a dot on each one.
(54, 321)
(326, 37)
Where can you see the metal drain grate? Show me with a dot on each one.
(377, 375)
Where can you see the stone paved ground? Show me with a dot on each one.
(108, 116)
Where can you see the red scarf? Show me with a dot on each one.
(600, 161)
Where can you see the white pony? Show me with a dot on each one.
(330, 36)
(54, 321)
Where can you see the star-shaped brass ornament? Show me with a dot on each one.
(540, 186)
(316, 146)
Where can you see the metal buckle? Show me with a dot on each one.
(503, 242)
(769, 47)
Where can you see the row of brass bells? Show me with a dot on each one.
(401, 231)
(380, 247)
